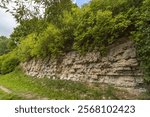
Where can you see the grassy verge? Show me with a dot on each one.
(5, 96)
(25, 87)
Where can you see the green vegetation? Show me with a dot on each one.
(25, 87)
(64, 27)
(9, 65)
(141, 37)
(3, 45)
(6, 96)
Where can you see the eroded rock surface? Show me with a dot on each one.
(119, 67)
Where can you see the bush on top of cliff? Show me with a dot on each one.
(94, 26)
(102, 23)
(50, 42)
(100, 30)
(47, 43)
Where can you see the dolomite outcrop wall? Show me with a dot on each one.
(119, 67)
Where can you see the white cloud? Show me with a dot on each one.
(7, 23)
(74, 1)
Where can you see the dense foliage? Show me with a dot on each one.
(141, 37)
(65, 27)
(3, 45)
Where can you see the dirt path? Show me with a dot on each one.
(24, 95)
(6, 90)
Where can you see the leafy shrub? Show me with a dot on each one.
(83, 33)
(9, 64)
(49, 42)
(100, 29)
(67, 28)
(27, 47)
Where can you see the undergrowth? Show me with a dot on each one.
(22, 86)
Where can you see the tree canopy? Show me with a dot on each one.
(28, 9)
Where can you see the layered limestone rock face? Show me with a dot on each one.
(119, 67)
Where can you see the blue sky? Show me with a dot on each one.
(8, 23)
(80, 2)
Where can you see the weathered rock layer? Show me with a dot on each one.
(119, 67)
